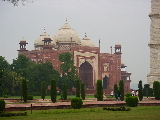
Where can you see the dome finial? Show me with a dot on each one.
(66, 20)
(44, 29)
(85, 34)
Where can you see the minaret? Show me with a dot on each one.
(154, 44)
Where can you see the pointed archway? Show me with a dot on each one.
(105, 82)
(86, 74)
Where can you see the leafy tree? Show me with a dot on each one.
(140, 92)
(99, 90)
(78, 88)
(156, 90)
(121, 89)
(16, 2)
(115, 90)
(24, 90)
(53, 90)
(43, 90)
(64, 94)
(68, 69)
(147, 91)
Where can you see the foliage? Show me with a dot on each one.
(68, 70)
(43, 90)
(2, 105)
(83, 94)
(140, 92)
(156, 90)
(76, 103)
(24, 90)
(131, 101)
(77, 88)
(53, 90)
(117, 109)
(30, 97)
(64, 94)
(116, 91)
(16, 2)
(147, 91)
(99, 90)
(5, 114)
(121, 89)
(128, 94)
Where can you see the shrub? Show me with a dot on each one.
(30, 97)
(64, 95)
(95, 95)
(77, 88)
(43, 90)
(132, 101)
(2, 105)
(83, 93)
(76, 103)
(116, 91)
(128, 94)
(24, 90)
(99, 90)
(140, 90)
(121, 89)
(156, 90)
(5, 96)
(53, 90)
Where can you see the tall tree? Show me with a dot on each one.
(53, 90)
(116, 91)
(24, 90)
(78, 88)
(99, 89)
(83, 94)
(140, 90)
(121, 89)
(43, 90)
(64, 93)
(68, 69)
(156, 90)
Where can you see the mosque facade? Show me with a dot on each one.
(154, 44)
(91, 64)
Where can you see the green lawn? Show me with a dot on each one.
(136, 113)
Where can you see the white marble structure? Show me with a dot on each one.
(154, 44)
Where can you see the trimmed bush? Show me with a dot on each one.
(99, 89)
(156, 90)
(121, 89)
(128, 94)
(83, 93)
(131, 101)
(76, 103)
(2, 105)
(140, 90)
(30, 97)
(53, 90)
(5, 96)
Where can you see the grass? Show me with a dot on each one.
(137, 113)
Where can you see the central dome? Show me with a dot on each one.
(67, 35)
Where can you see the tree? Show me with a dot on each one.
(24, 90)
(78, 88)
(53, 90)
(156, 90)
(83, 94)
(147, 91)
(116, 91)
(16, 2)
(68, 70)
(99, 90)
(121, 89)
(140, 92)
(64, 93)
(43, 90)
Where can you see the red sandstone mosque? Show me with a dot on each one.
(91, 64)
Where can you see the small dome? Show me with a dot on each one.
(87, 42)
(66, 34)
(39, 42)
(23, 39)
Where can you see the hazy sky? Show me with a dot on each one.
(113, 21)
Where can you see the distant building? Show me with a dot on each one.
(154, 44)
(91, 64)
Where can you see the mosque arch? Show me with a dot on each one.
(86, 74)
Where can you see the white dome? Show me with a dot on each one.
(39, 42)
(87, 42)
(65, 33)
